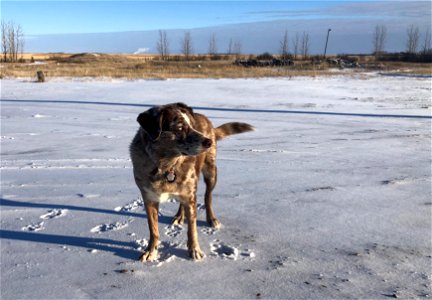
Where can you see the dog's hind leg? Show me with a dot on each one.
(178, 219)
(210, 178)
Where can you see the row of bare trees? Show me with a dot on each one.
(300, 43)
(12, 41)
(186, 45)
(412, 42)
(299, 46)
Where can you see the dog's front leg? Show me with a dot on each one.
(151, 252)
(193, 246)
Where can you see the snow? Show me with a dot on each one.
(312, 205)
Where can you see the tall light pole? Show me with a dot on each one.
(325, 49)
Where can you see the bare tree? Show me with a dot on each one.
(19, 41)
(296, 42)
(237, 48)
(162, 45)
(187, 45)
(284, 50)
(230, 47)
(379, 39)
(413, 36)
(4, 40)
(212, 49)
(305, 44)
(427, 41)
(12, 41)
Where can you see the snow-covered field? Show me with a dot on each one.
(312, 205)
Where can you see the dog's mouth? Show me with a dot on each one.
(193, 152)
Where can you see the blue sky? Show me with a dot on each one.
(50, 17)
(65, 26)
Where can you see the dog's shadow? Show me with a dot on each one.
(119, 248)
(6, 202)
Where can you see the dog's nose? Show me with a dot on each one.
(207, 143)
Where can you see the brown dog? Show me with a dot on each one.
(171, 148)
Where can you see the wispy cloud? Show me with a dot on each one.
(383, 9)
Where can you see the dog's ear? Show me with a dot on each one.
(183, 106)
(151, 122)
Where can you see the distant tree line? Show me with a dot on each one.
(416, 48)
(417, 45)
(12, 41)
(300, 43)
(186, 46)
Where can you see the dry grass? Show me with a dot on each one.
(409, 68)
(147, 66)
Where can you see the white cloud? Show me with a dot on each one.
(142, 50)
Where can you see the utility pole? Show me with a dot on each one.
(325, 49)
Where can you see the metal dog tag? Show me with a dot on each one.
(170, 176)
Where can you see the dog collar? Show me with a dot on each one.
(170, 176)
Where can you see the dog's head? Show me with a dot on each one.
(170, 129)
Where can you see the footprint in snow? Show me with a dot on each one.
(88, 195)
(209, 230)
(135, 204)
(51, 214)
(3, 137)
(173, 230)
(225, 251)
(108, 227)
(141, 244)
(54, 213)
(39, 116)
(120, 119)
(34, 227)
(165, 251)
(398, 181)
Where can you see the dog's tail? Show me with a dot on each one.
(232, 128)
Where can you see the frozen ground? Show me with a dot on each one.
(312, 205)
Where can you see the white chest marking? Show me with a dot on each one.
(164, 197)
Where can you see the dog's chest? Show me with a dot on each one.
(181, 189)
(161, 197)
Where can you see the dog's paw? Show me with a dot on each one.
(177, 220)
(148, 256)
(214, 223)
(196, 254)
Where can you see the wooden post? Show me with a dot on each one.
(40, 76)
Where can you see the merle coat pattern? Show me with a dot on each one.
(171, 148)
